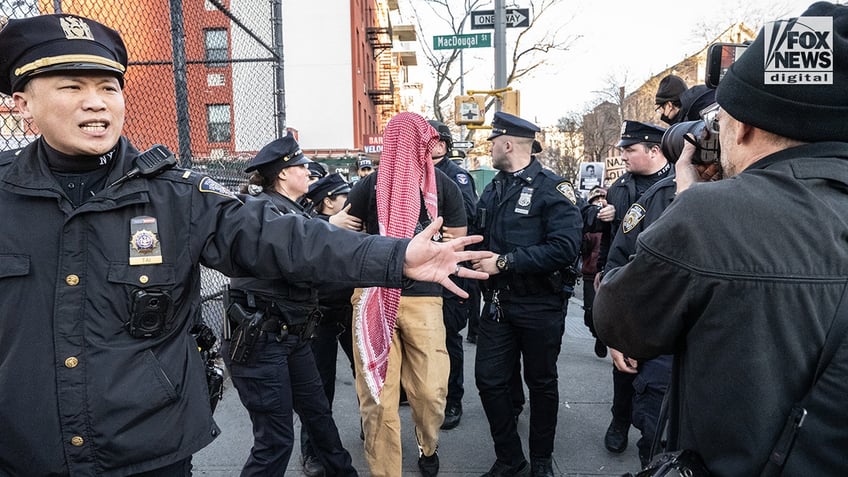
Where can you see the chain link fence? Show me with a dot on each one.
(204, 79)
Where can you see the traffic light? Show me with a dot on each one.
(511, 102)
(470, 109)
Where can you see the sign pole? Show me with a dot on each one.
(500, 49)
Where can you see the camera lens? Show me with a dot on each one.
(674, 139)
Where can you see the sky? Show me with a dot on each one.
(619, 40)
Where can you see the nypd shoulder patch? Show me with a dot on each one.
(208, 185)
(634, 215)
(565, 188)
(462, 179)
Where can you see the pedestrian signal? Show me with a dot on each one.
(469, 109)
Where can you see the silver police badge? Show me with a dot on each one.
(634, 215)
(524, 200)
(144, 243)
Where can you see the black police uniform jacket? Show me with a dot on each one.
(465, 183)
(537, 220)
(654, 372)
(80, 396)
(622, 194)
(742, 277)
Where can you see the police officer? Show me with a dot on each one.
(645, 165)
(334, 329)
(650, 377)
(278, 360)
(364, 167)
(100, 267)
(529, 218)
(456, 311)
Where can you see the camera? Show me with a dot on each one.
(719, 58)
(151, 313)
(705, 142)
(705, 131)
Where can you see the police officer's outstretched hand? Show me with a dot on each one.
(430, 261)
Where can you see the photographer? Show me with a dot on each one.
(746, 302)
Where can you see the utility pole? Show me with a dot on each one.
(500, 49)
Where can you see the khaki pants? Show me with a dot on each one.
(418, 359)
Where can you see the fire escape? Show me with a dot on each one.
(382, 89)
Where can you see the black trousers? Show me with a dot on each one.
(530, 330)
(456, 312)
(278, 378)
(333, 332)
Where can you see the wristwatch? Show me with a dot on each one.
(502, 262)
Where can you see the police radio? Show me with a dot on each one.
(149, 163)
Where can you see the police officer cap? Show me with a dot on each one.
(457, 154)
(364, 163)
(328, 186)
(443, 130)
(316, 169)
(284, 149)
(58, 42)
(505, 124)
(633, 132)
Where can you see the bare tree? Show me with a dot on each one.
(527, 55)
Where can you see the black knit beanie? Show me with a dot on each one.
(670, 89)
(781, 95)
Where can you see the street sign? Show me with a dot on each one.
(463, 144)
(515, 18)
(455, 42)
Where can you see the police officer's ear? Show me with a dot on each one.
(21, 99)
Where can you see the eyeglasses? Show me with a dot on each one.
(710, 117)
(660, 108)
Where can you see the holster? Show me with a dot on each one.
(246, 333)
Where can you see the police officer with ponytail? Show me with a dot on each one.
(272, 321)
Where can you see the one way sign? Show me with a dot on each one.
(485, 19)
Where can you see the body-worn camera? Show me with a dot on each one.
(151, 313)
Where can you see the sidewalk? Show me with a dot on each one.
(585, 395)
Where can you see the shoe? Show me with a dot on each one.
(429, 466)
(600, 349)
(502, 470)
(453, 413)
(616, 438)
(541, 467)
(471, 338)
(312, 467)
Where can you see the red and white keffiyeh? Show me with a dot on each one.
(406, 172)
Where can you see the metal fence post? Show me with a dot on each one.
(180, 82)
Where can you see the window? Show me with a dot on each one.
(215, 41)
(218, 122)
